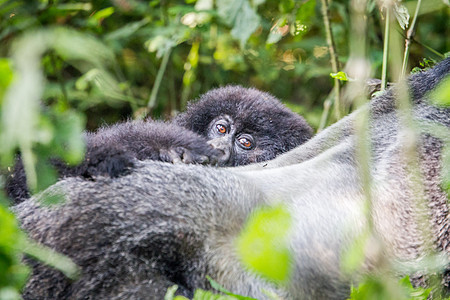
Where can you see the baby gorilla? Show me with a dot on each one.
(246, 125)
(228, 126)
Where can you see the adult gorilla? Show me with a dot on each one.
(163, 224)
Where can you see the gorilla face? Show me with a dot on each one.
(232, 140)
(245, 124)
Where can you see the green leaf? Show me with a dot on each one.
(102, 14)
(240, 16)
(263, 243)
(46, 175)
(440, 96)
(385, 287)
(170, 294)
(354, 256)
(126, 31)
(304, 18)
(69, 142)
(339, 75)
(286, 6)
(215, 285)
(13, 273)
(51, 258)
(418, 293)
(22, 100)
(6, 76)
(200, 294)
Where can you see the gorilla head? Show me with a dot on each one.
(246, 124)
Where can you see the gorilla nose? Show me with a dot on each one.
(223, 145)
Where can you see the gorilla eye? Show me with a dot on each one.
(245, 143)
(221, 129)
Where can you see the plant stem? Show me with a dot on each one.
(333, 58)
(159, 76)
(409, 34)
(325, 113)
(385, 48)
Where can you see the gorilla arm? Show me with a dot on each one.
(112, 151)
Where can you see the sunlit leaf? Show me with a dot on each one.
(304, 18)
(418, 293)
(6, 76)
(441, 94)
(102, 14)
(339, 75)
(263, 243)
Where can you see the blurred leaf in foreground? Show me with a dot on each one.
(13, 273)
(380, 287)
(440, 96)
(57, 130)
(6, 76)
(199, 294)
(263, 243)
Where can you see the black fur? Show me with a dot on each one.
(164, 224)
(112, 150)
(274, 128)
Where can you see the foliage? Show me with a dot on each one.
(278, 46)
(199, 295)
(263, 243)
(441, 97)
(206, 295)
(73, 64)
(379, 288)
(13, 273)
